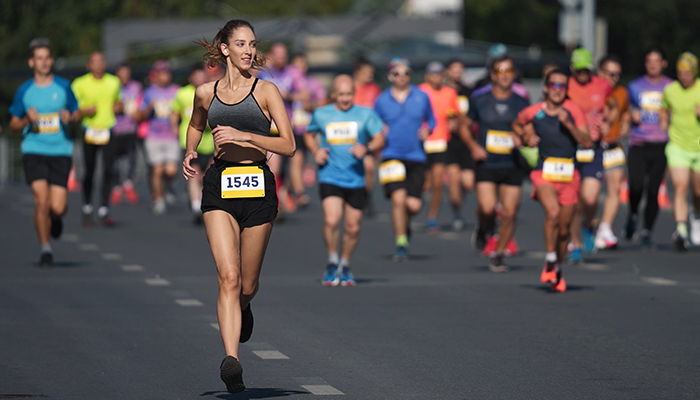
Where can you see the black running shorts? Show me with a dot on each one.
(413, 183)
(54, 169)
(357, 198)
(500, 176)
(458, 153)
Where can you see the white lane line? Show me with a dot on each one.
(215, 326)
(111, 256)
(70, 237)
(89, 247)
(158, 282)
(659, 281)
(270, 355)
(322, 390)
(595, 267)
(189, 302)
(694, 291)
(132, 268)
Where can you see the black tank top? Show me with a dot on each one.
(246, 115)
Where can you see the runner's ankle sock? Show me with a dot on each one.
(604, 227)
(102, 212)
(402, 241)
(344, 262)
(46, 248)
(333, 258)
(551, 257)
(87, 208)
(196, 206)
(682, 228)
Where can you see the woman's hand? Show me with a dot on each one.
(227, 134)
(187, 170)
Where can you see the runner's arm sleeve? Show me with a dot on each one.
(374, 124)
(17, 108)
(429, 114)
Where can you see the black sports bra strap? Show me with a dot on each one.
(252, 88)
(215, 85)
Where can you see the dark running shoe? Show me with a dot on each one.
(498, 264)
(46, 259)
(630, 227)
(232, 374)
(56, 227)
(246, 324)
(478, 238)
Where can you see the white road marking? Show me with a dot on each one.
(132, 268)
(659, 281)
(595, 267)
(111, 256)
(215, 326)
(89, 247)
(158, 282)
(322, 390)
(270, 355)
(694, 291)
(189, 302)
(70, 237)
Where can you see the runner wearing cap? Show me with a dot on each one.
(682, 101)
(406, 111)
(347, 133)
(498, 177)
(162, 143)
(647, 160)
(41, 108)
(98, 95)
(443, 100)
(614, 161)
(593, 95)
(460, 165)
(555, 126)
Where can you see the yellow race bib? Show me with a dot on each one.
(162, 108)
(392, 171)
(585, 155)
(435, 146)
(341, 133)
(97, 136)
(652, 101)
(499, 142)
(242, 182)
(613, 158)
(557, 169)
(49, 123)
(301, 117)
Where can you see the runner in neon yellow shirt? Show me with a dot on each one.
(182, 110)
(682, 100)
(98, 94)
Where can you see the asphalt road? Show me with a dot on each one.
(129, 313)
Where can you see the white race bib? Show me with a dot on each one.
(435, 146)
(585, 155)
(130, 107)
(463, 104)
(557, 169)
(392, 171)
(341, 133)
(499, 142)
(162, 108)
(242, 182)
(652, 101)
(49, 123)
(613, 158)
(98, 136)
(301, 117)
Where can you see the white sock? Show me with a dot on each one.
(196, 206)
(604, 227)
(344, 262)
(333, 258)
(551, 257)
(102, 212)
(46, 248)
(87, 208)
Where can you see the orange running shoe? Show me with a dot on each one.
(550, 272)
(664, 201)
(624, 192)
(116, 196)
(490, 247)
(560, 286)
(511, 248)
(131, 196)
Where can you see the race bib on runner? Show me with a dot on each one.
(392, 171)
(98, 136)
(130, 107)
(613, 158)
(341, 133)
(162, 108)
(557, 169)
(652, 101)
(273, 128)
(463, 104)
(301, 117)
(435, 146)
(585, 155)
(499, 142)
(48, 123)
(242, 183)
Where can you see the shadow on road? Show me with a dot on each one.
(256, 393)
(545, 288)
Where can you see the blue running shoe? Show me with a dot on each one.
(576, 256)
(401, 254)
(432, 226)
(346, 277)
(331, 277)
(588, 241)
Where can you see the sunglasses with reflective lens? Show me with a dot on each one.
(502, 71)
(399, 73)
(557, 86)
(613, 75)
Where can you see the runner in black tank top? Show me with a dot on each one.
(239, 203)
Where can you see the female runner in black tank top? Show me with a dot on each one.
(238, 249)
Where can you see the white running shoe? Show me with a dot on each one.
(605, 240)
(694, 229)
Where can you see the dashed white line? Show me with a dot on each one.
(111, 256)
(694, 291)
(270, 355)
(89, 247)
(322, 390)
(158, 282)
(189, 302)
(70, 237)
(132, 268)
(659, 281)
(595, 267)
(215, 326)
